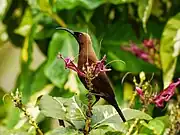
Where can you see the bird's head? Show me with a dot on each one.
(81, 37)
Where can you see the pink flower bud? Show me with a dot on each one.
(148, 43)
(140, 93)
(166, 94)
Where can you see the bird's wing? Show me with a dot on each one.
(103, 85)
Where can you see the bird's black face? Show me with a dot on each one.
(78, 35)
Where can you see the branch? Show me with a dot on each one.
(16, 98)
(89, 110)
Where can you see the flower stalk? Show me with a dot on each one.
(89, 110)
(16, 98)
(174, 117)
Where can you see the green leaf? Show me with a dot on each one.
(64, 131)
(120, 1)
(113, 133)
(103, 131)
(39, 79)
(169, 42)
(25, 78)
(116, 63)
(107, 115)
(4, 6)
(5, 131)
(156, 126)
(144, 11)
(55, 68)
(13, 117)
(26, 23)
(88, 4)
(44, 5)
(68, 109)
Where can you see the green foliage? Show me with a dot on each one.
(73, 111)
(155, 126)
(112, 24)
(144, 11)
(169, 39)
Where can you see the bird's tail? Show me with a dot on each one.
(119, 112)
(113, 102)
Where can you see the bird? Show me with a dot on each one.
(102, 87)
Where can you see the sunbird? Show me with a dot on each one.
(102, 87)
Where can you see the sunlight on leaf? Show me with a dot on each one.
(44, 5)
(64, 131)
(144, 11)
(68, 109)
(105, 130)
(107, 115)
(26, 23)
(157, 125)
(88, 4)
(168, 61)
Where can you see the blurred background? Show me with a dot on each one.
(135, 35)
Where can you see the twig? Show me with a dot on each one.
(132, 127)
(18, 103)
(134, 124)
(131, 103)
(89, 110)
(174, 117)
(88, 115)
(154, 131)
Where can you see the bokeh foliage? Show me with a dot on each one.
(111, 25)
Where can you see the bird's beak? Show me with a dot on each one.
(68, 30)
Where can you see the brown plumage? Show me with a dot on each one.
(101, 84)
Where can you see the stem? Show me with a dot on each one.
(89, 110)
(88, 115)
(16, 98)
(134, 124)
(59, 20)
(31, 121)
(131, 103)
(174, 117)
(132, 127)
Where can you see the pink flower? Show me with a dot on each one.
(69, 64)
(163, 96)
(149, 43)
(100, 67)
(95, 68)
(140, 92)
(166, 94)
(140, 53)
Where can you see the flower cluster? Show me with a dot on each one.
(70, 65)
(149, 52)
(94, 69)
(163, 96)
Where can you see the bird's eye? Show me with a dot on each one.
(80, 34)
